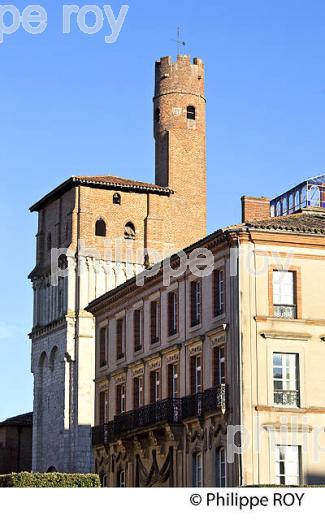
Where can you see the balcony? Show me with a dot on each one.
(288, 312)
(289, 398)
(171, 411)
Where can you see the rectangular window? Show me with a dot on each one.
(155, 391)
(286, 380)
(221, 467)
(284, 294)
(120, 338)
(137, 392)
(138, 328)
(103, 334)
(120, 399)
(197, 469)
(154, 322)
(195, 303)
(218, 292)
(219, 376)
(287, 465)
(102, 407)
(196, 374)
(172, 381)
(172, 313)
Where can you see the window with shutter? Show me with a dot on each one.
(218, 292)
(195, 303)
(137, 392)
(172, 381)
(154, 386)
(138, 320)
(154, 322)
(120, 338)
(102, 406)
(102, 346)
(172, 313)
(219, 366)
(196, 376)
(118, 399)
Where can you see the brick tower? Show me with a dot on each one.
(180, 136)
(77, 219)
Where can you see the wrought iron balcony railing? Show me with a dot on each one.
(171, 411)
(287, 398)
(285, 311)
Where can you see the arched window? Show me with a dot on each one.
(49, 242)
(116, 198)
(284, 206)
(278, 209)
(314, 196)
(129, 231)
(303, 196)
(157, 115)
(291, 204)
(100, 229)
(42, 361)
(53, 357)
(272, 210)
(191, 112)
(297, 200)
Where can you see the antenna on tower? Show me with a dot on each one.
(179, 41)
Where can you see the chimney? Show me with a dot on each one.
(255, 208)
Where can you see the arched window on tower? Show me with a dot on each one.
(100, 228)
(116, 198)
(157, 115)
(191, 113)
(129, 231)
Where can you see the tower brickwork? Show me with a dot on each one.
(96, 222)
(180, 137)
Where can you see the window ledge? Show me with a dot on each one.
(195, 327)
(172, 338)
(219, 317)
(301, 321)
(286, 409)
(286, 335)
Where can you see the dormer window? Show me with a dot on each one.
(191, 113)
(117, 198)
(129, 231)
(100, 228)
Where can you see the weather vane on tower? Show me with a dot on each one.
(179, 41)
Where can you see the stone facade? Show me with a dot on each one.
(259, 353)
(140, 221)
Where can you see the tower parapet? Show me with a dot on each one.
(180, 133)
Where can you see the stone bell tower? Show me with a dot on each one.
(180, 136)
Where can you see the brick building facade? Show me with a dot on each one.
(216, 379)
(101, 231)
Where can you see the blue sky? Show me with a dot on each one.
(71, 104)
